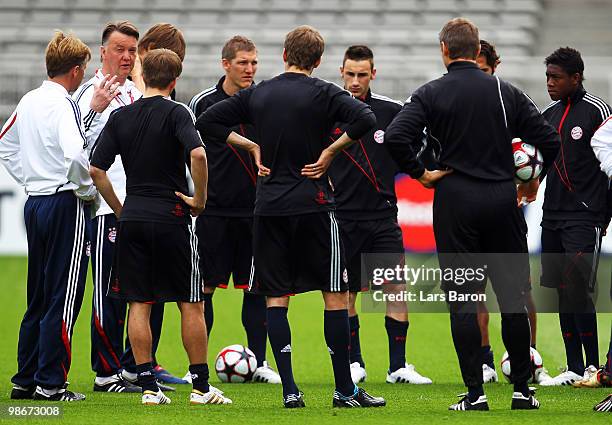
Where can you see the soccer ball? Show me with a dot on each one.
(528, 161)
(536, 365)
(235, 363)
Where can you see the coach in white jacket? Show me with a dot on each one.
(108, 90)
(43, 146)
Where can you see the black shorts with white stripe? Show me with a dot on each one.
(156, 262)
(296, 254)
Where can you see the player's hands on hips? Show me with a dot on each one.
(104, 93)
(527, 192)
(319, 168)
(262, 170)
(430, 178)
(196, 205)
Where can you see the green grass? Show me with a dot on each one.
(429, 348)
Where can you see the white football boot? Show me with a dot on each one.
(151, 398)
(567, 377)
(358, 373)
(266, 374)
(211, 397)
(488, 374)
(407, 375)
(541, 375)
(187, 378)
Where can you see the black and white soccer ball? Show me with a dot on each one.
(528, 161)
(235, 363)
(536, 366)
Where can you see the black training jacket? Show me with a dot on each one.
(363, 175)
(292, 114)
(232, 174)
(576, 188)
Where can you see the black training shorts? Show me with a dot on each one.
(156, 262)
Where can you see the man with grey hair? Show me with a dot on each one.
(108, 90)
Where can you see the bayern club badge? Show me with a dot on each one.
(112, 235)
(576, 133)
(379, 136)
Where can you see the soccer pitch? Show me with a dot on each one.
(429, 348)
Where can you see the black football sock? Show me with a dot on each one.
(522, 388)
(475, 392)
(209, 314)
(146, 377)
(199, 377)
(573, 345)
(516, 336)
(355, 344)
(487, 356)
(396, 332)
(336, 329)
(587, 331)
(254, 322)
(279, 333)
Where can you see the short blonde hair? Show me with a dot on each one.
(64, 52)
(304, 46)
(163, 36)
(237, 43)
(160, 67)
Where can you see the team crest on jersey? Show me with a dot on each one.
(88, 248)
(379, 136)
(112, 234)
(345, 276)
(576, 133)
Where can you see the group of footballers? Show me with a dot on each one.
(292, 180)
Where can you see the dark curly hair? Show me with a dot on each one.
(488, 51)
(568, 59)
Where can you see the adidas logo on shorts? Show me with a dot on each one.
(286, 349)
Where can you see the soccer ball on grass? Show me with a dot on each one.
(536, 366)
(235, 363)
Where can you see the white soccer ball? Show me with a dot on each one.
(536, 365)
(235, 363)
(528, 161)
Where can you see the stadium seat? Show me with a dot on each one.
(47, 17)
(15, 4)
(403, 5)
(483, 5)
(523, 6)
(286, 5)
(8, 18)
